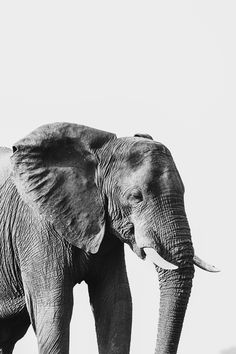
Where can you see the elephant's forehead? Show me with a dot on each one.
(149, 165)
(148, 156)
(145, 167)
(153, 174)
(141, 145)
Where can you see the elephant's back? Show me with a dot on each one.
(5, 164)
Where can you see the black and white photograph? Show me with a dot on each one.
(117, 177)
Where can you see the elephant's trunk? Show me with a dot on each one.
(175, 288)
(175, 285)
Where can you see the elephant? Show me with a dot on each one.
(71, 196)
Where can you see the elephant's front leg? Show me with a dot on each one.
(48, 287)
(111, 303)
(50, 310)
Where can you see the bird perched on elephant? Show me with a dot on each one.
(70, 197)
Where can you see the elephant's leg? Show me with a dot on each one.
(12, 329)
(111, 303)
(48, 286)
(50, 314)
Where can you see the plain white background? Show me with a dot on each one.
(166, 68)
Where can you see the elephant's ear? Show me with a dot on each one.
(146, 136)
(55, 171)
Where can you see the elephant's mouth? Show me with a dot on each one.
(138, 251)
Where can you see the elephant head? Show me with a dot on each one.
(146, 210)
(85, 181)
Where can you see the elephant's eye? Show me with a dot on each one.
(135, 197)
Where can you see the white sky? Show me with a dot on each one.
(166, 68)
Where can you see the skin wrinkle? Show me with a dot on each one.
(116, 214)
(119, 217)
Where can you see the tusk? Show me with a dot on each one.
(203, 265)
(153, 256)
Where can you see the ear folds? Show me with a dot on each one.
(146, 136)
(55, 170)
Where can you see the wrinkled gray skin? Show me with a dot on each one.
(70, 197)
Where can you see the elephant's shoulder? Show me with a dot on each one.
(5, 164)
